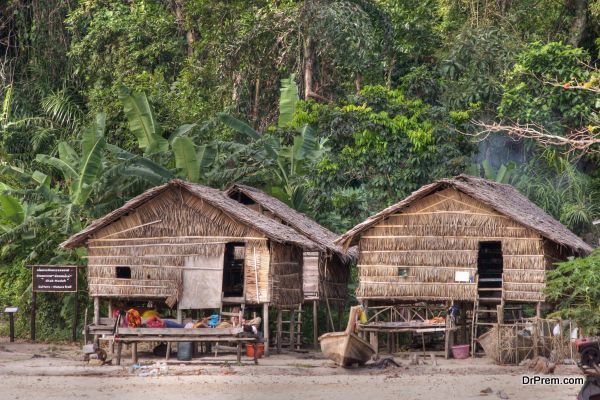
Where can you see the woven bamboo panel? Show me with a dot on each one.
(155, 241)
(416, 254)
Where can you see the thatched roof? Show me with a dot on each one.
(503, 198)
(216, 198)
(300, 222)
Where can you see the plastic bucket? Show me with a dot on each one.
(260, 348)
(460, 351)
(184, 351)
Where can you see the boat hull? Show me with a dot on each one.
(346, 349)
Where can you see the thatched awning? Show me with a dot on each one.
(300, 222)
(503, 198)
(216, 198)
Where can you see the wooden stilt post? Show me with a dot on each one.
(96, 310)
(536, 330)
(463, 317)
(96, 315)
(340, 316)
(292, 327)
(179, 314)
(315, 326)
(279, 327)
(33, 312)
(75, 318)
(134, 354)
(266, 327)
(110, 308)
(119, 350)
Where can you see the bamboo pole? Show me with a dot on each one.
(315, 325)
(266, 328)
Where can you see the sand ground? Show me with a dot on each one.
(51, 371)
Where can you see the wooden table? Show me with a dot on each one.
(407, 326)
(169, 335)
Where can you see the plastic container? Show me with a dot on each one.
(460, 351)
(260, 349)
(184, 351)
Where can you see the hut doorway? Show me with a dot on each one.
(489, 269)
(233, 270)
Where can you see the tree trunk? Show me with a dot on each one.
(190, 35)
(309, 64)
(580, 20)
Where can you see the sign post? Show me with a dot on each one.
(54, 279)
(11, 319)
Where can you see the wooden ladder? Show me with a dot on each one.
(293, 323)
(482, 320)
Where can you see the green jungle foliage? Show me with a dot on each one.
(337, 107)
(575, 287)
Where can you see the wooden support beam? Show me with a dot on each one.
(179, 315)
(96, 310)
(279, 327)
(33, 312)
(266, 328)
(134, 354)
(292, 327)
(315, 325)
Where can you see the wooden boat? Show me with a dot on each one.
(346, 348)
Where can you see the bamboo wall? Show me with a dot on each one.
(436, 237)
(334, 278)
(256, 265)
(156, 239)
(286, 275)
(310, 275)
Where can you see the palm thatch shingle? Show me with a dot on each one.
(502, 197)
(300, 222)
(270, 228)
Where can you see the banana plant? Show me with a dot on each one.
(289, 163)
(503, 174)
(12, 211)
(142, 122)
(80, 172)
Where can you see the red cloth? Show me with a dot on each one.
(155, 322)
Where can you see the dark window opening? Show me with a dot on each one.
(233, 270)
(124, 272)
(489, 269)
(245, 199)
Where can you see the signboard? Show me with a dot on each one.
(462, 276)
(54, 279)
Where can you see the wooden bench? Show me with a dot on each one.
(230, 335)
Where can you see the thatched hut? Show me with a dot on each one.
(194, 247)
(326, 273)
(460, 239)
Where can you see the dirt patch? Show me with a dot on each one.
(30, 370)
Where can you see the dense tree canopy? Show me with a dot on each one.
(338, 107)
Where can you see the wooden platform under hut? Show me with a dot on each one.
(193, 248)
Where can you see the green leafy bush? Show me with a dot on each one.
(575, 287)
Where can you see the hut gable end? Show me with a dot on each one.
(504, 199)
(174, 213)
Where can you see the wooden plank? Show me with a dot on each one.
(180, 331)
(135, 339)
(179, 237)
(265, 322)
